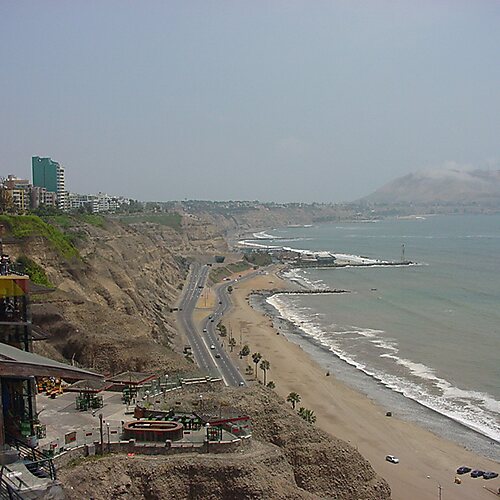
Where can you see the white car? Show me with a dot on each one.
(212, 347)
(392, 459)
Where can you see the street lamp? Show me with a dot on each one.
(109, 442)
(207, 427)
(440, 488)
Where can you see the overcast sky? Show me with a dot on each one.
(286, 100)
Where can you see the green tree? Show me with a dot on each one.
(271, 385)
(265, 366)
(256, 357)
(293, 398)
(232, 343)
(307, 415)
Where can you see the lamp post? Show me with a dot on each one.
(440, 488)
(207, 427)
(101, 433)
(109, 441)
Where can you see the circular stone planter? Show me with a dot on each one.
(151, 431)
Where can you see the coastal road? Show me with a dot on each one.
(205, 343)
(192, 291)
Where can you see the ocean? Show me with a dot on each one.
(421, 340)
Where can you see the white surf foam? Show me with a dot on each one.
(476, 410)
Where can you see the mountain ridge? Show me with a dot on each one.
(445, 185)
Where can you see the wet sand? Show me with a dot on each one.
(426, 461)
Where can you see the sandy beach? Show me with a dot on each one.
(427, 462)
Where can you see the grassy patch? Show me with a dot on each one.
(34, 271)
(26, 226)
(92, 219)
(238, 267)
(219, 273)
(259, 258)
(66, 221)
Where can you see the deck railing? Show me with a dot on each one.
(7, 487)
(37, 462)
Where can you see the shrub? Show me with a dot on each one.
(34, 271)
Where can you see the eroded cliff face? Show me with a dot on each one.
(111, 312)
(111, 309)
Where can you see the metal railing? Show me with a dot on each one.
(37, 462)
(7, 491)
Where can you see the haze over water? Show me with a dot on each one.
(430, 331)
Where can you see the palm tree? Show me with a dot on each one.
(307, 415)
(256, 357)
(293, 398)
(264, 366)
(271, 385)
(232, 343)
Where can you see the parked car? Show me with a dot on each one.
(392, 459)
(463, 470)
(477, 473)
(490, 475)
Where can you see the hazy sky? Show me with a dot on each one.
(287, 100)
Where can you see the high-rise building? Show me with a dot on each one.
(50, 175)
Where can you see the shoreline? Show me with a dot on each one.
(458, 432)
(347, 413)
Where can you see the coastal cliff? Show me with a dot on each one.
(110, 311)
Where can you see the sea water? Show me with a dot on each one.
(428, 333)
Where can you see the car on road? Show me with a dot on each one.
(204, 330)
(477, 473)
(392, 459)
(463, 470)
(212, 347)
(212, 320)
(242, 383)
(490, 475)
(217, 355)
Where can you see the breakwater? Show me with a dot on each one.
(321, 265)
(322, 291)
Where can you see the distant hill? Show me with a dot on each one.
(444, 185)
